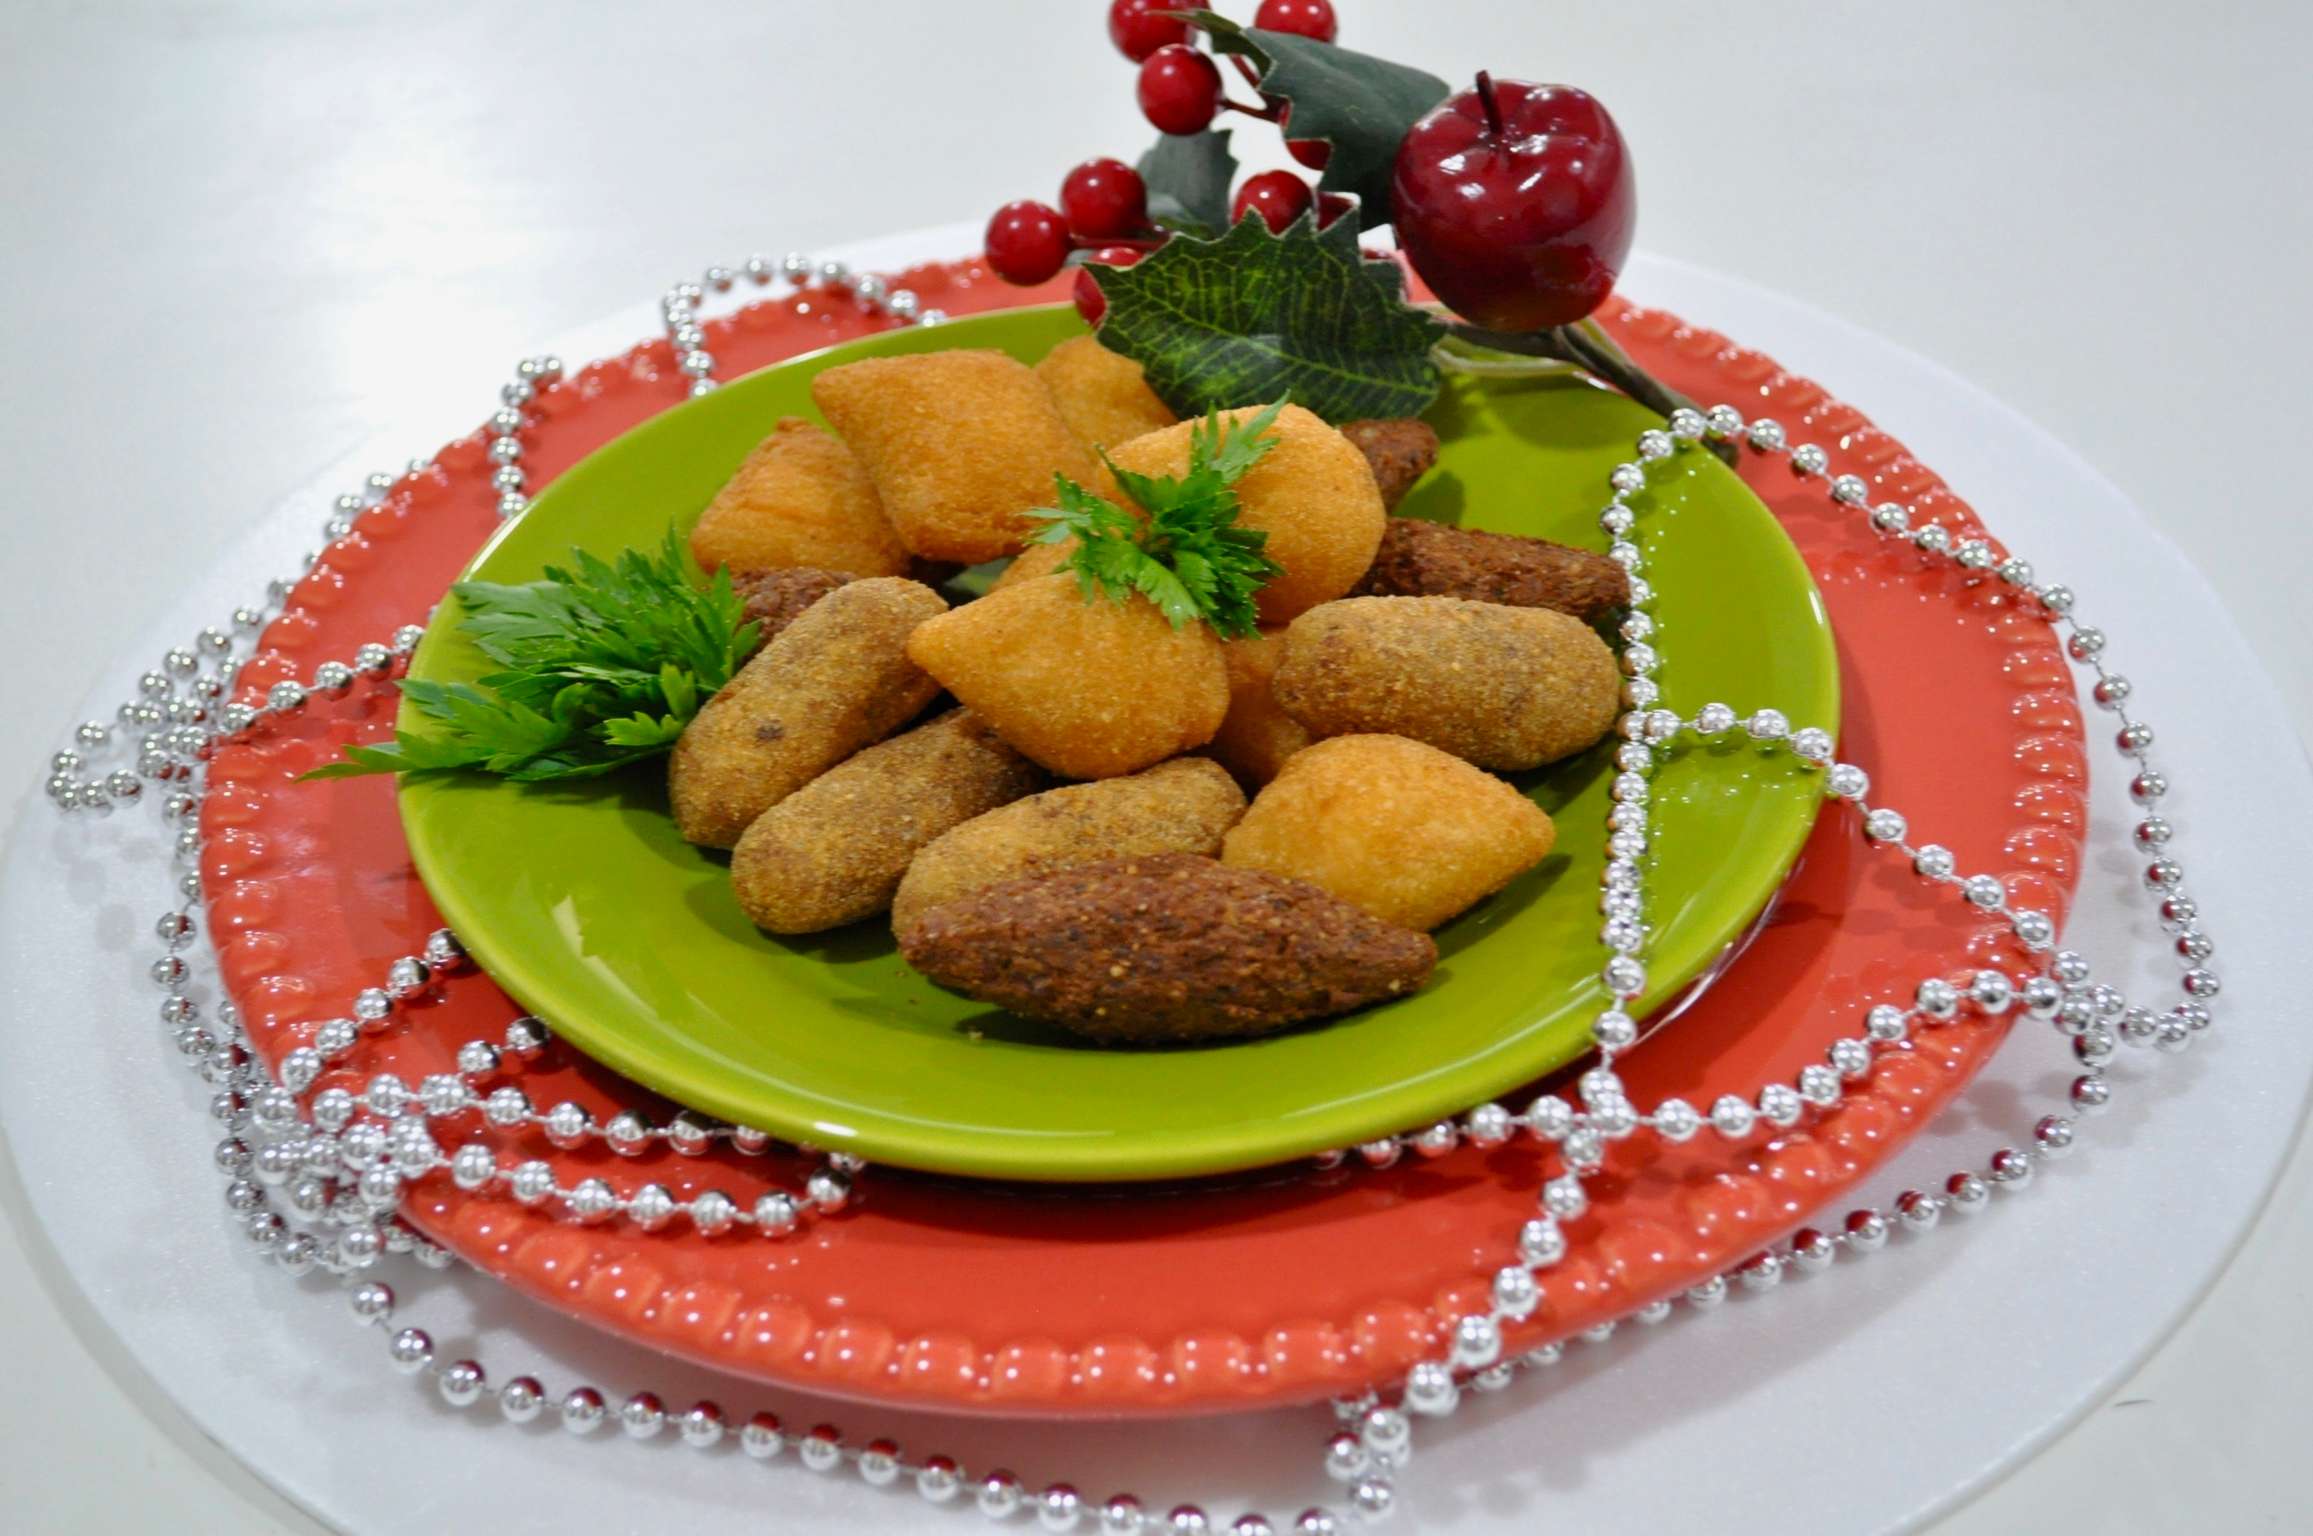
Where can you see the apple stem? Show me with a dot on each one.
(1486, 100)
(1588, 347)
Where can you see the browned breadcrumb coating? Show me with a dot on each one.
(1257, 735)
(833, 852)
(777, 598)
(1419, 558)
(1505, 688)
(800, 498)
(1102, 395)
(834, 680)
(961, 444)
(1311, 494)
(1411, 834)
(1167, 948)
(1399, 450)
(1089, 687)
(1178, 807)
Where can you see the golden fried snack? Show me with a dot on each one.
(1407, 832)
(800, 498)
(1102, 395)
(1506, 688)
(776, 598)
(1312, 494)
(1178, 807)
(833, 681)
(1167, 948)
(1419, 558)
(960, 445)
(1399, 450)
(833, 852)
(1257, 735)
(1089, 687)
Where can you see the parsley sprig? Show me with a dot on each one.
(1189, 555)
(600, 666)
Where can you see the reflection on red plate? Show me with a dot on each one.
(1259, 1290)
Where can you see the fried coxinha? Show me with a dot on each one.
(1190, 731)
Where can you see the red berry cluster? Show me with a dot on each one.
(1103, 210)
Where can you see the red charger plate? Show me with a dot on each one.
(1260, 1290)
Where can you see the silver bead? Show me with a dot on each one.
(999, 1495)
(2011, 1168)
(1430, 1389)
(1812, 1250)
(1516, 1294)
(461, 1383)
(1966, 1193)
(373, 659)
(2201, 984)
(1723, 421)
(760, 1438)
(642, 1416)
(1059, 1507)
(1937, 998)
(1866, 1231)
(701, 1425)
(1992, 991)
(532, 1181)
(1541, 1242)
(1477, 1340)
(712, 1212)
(1709, 1294)
(582, 1410)
(371, 1303)
(2091, 1093)
(938, 1480)
(1808, 459)
(1732, 1117)
(591, 1200)
(2095, 1046)
(879, 1463)
(2175, 1036)
(2052, 1136)
(1767, 435)
(526, 1037)
(1850, 490)
(2034, 930)
(1252, 1525)
(567, 1124)
(626, 1133)
(1763, 1272)
(829, 1190)
(1885, 826)
(1187, 1520)
(1675, 1120)
(651, 1207)
(411, 1351)
(521, 1399)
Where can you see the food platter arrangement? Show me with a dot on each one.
(1181, 736)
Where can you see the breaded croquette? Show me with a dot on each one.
(1505, 688)
(833, 852)
(800, 498)
(1169, 948)
(1346, 813)
(1312, 494)
(1257, 735)
(960, 445)
(1419, 558)
(1089, 687)
(1178, 807)
(1399, 451)
(833, 681)
(1102, 395)
(776, 598)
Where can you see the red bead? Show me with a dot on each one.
(1279, 197)
(1103, 199)
(1331, 206)
(1140, 27)
(1180, 89)
(1313, 153)
(1091, 303)
(1027, 242)
(1308, 18)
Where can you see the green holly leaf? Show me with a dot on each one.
(1359, 104)
(1257, 316)
(1188, 176)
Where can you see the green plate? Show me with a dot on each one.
(586, 907)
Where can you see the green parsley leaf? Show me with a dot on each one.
(1188, 555)
(599, 665)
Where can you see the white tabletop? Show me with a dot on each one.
(241, 237)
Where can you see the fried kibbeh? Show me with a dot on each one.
(1399, 450)
(1505, 688)
(776, 598)
(1088, 688)
(1312, 494)
(1169, 948)
(833, 681)
(1343, 814)
(1256, 736)
(800, 499)
(1182, 806)
(961, 446)
(833, 852)
(1102, 395)
(1419, 558)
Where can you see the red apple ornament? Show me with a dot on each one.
(1515, 202)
